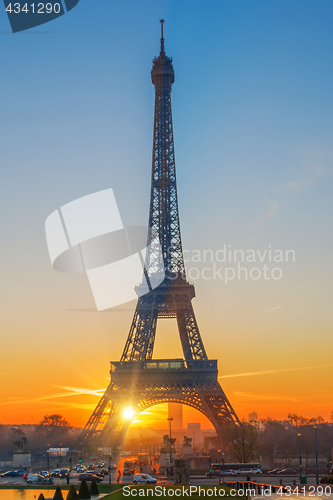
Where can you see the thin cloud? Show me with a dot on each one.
(273, 309)
(268, 372)
(273, 208)
(112, 310)
(71, 391)
(316, 165)
(265, 397)
(79, 390)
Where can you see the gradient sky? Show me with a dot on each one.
(253, 124)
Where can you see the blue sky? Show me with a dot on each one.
(253, 124)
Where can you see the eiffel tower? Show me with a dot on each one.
(138, 381)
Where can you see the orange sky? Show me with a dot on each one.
(65, 369)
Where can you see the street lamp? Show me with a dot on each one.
(219, 465)
(300, 458)
(317, 470)
(109, 468)
(70, 465)
(170, 419)
(48, 458)
(60, 455)
(222, 467)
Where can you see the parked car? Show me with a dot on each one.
(287, 471)
(10, 473)
(274, 471)
(256, 471)
(88, 476)
(21, 472)
(143, 479)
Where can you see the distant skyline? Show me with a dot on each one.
(253, 125)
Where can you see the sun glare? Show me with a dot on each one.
(128, 413)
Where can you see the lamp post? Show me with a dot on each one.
(60, 455)
(71, 458)
(317, 470)
(219, 451)
(109, 468)
(300, 458)
(48, 458)
(170, 419)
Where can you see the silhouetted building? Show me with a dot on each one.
(175, 410)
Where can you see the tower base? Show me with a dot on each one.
(138, 385)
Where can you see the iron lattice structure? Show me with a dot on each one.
(138, 381)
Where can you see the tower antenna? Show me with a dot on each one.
(162, 53)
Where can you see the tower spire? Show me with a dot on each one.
(162, 52)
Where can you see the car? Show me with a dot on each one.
(91, 467)
(126, 472)
(143, 479)
(113, 466)
(274, 471)
(44, 473)
(287, 471)
(211, 473)
(245, 471)
(104, 471)
(228, 472)
(88, 476)
(56, 473)
(21, 472)
(10, 473)
(35, 478)
(101, 464)
(214, 473)
(256, 471)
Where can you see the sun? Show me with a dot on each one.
(128, 413)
